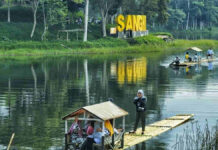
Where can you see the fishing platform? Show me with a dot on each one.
(155, 129)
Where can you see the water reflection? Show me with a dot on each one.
(210, 65)
(132, 71)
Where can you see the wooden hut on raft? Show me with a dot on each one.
(99, 113)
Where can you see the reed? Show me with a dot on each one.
(195, 137)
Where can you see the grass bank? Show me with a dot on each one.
(100, 46)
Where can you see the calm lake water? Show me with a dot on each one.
(36, 94)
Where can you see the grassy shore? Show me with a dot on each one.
(101, 46)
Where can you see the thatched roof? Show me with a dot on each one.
(195, 49)
(103, 111)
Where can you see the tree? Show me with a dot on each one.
(54, 12)
(34, 5)
(177, 17)
(86, 21)
(9, 10)
(162, 11)
(105, 6)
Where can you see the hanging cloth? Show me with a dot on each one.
(108, 125)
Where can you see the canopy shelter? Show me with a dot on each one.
(195, 49)
(195, 54)
(99, 113)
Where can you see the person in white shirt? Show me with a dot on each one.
(210, 53)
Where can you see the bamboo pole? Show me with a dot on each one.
(12, 137)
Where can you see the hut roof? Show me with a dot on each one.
(104, 111)
(195, 49)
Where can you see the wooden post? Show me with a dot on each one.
(113, 134)
(66, 136)
(12, 137)
(122, 140)
(66, 127)
(124, 123)
(102, 142)
(66, 141)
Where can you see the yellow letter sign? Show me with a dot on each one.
(131, 22)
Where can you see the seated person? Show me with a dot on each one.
(189, 59)
(98, 136)
(177, 60)
(87, 145)
(75, 128)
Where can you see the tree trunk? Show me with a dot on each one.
(177, 26)
(45, 23)
(35, 8)
(9, 11)
(104, 22)
(112, 19)
(201, 25)
(86, 21)
(187, 22)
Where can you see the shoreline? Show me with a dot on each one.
(124, 48)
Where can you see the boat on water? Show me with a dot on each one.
(101, 116)
(189, 61)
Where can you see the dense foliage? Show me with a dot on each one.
(44, 18)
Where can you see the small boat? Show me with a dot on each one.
(98, 114)
(187, 63)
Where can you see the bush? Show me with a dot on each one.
(163, 33)
(100, 43)
(150, 39)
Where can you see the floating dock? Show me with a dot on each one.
(187, 64)
(155, 129)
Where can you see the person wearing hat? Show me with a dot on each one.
(140, 103)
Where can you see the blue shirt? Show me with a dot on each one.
(98, 137)
(210, 52)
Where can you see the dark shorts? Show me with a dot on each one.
(208, 54)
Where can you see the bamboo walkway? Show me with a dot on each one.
(155, 129)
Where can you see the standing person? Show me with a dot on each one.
(210, 53)
(140, 102)
(196, 57)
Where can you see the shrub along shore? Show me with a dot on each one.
(101, 46)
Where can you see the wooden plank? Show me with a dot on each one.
(155, 129)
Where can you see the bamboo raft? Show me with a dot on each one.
(155, 129)
(185, 64)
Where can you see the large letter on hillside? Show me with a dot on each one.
(120, 22)
(128, 22)
(140, 21)
(135, 22)
(144, 23)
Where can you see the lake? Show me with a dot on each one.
(36, 93)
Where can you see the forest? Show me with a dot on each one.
(43, 18)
